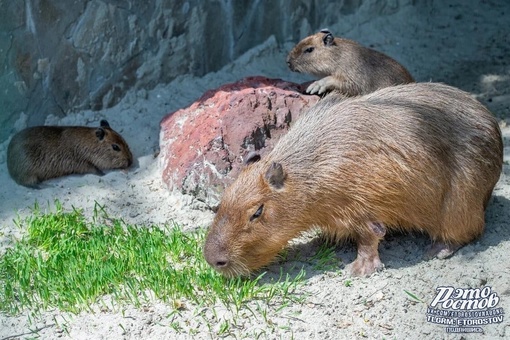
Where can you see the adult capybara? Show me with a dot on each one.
(421, 156)
(344, 66)
(39, 153)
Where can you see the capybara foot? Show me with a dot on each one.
(441, 250)
(364, 267)
(368, 260)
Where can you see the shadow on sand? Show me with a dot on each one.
(397, 250)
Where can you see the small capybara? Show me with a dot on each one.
(344, 66)
(422, 157)
(39, 153)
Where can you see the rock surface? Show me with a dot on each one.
(203, 147)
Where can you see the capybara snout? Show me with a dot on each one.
(421, 157)
(251, 235)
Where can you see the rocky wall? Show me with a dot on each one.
(58, 56)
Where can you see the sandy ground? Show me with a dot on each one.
(464, 46)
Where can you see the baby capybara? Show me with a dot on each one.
(421, 156)
(344, 66)
(39, 153)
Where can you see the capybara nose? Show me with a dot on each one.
(221, 264)
(218, 262)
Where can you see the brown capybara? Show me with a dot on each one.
(422, 156)
(344, 66)
(39, 153)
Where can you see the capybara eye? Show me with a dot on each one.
(309, 49)
(257, 213)
(115, 147)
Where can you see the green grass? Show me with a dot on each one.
(325, 258)
(413, 297)
(65, 261)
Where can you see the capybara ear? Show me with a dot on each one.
(325, 31)
(100, 133)
(104, 124)
(275, 175)
(328, 38)
(253, 157)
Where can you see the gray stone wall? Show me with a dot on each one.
(57, 56)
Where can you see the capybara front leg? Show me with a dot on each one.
(368, 261)
(324, 85)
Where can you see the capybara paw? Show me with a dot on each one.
(441, 250)
(314, 88)
(321, 86)
(364, 267)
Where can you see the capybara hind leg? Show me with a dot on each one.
(441, 250)
(378, 229)
(368, 261)
(31, 182)
(461, 225)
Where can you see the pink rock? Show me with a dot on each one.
(203, 146)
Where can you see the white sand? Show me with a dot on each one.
(434, 46)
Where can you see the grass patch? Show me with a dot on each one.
(325, 258)
(69, 263)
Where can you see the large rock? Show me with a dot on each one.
(203, 146)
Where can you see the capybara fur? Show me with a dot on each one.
(418, 157)
(39, 153)
(344, 66)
